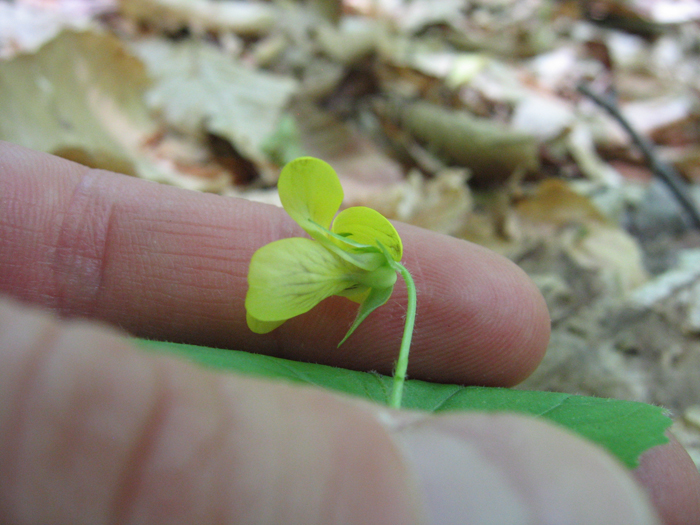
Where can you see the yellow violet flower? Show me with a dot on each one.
(355, 255)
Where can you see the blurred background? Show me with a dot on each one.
(563, 134)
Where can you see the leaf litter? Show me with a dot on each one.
(462, 117)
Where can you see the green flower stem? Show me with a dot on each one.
(402, 362)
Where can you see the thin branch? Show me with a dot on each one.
(664, 171)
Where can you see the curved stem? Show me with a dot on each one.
(402, 362)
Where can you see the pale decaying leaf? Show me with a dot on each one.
(686, 160)
(545, 118)
(586, 235)
(554, 202)
(172, 159)
(418, 14)
(241, 17)
(677, 290)
(26, 25)
(198, 88)
(649, 115)
(581, 145)
(611, 252)
(350, 40)
(360, 163)
(490, 151)
(555, 68)
(440, 204)
(670, 11)
(664, 286)
(64, 100)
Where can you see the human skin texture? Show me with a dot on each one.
(165, 263)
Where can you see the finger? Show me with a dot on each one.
(93, 431)
(671, 479)
(502, 468)
(172, 264)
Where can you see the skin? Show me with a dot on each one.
(136, 438)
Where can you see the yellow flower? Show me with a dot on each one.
(355, 256)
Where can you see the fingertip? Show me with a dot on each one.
(481, 319)
(672, 481)
(504, 468)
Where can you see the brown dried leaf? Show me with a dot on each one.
(555, 203)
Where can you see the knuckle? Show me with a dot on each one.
(82, 245)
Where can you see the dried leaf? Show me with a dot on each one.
(245, 18)
(491, 151)
(349, 41)
(612, 252)
(63, 100)
(441, 204)
(26, 26)
(359, 161)
(555, 203)
(543, 117)
(646, 116)
(199, 88)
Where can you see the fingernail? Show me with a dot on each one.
(487, 469)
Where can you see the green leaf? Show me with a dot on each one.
(625, 428)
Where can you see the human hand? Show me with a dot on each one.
(95, 431)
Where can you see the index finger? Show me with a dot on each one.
(171, 264)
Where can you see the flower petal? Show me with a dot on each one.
(290, 276)
(261, 327)
(357, 294)
(311, 193)
(367, 257)
(367, 226)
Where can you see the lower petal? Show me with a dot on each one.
(357, 294)
(261, 327)
(290, 276)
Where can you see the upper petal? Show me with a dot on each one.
(310, 192)
(367, 226)
(290, 276)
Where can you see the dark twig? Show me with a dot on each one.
(664, 171)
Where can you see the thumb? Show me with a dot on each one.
(93, 431)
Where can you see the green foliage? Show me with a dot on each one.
(625, 428)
